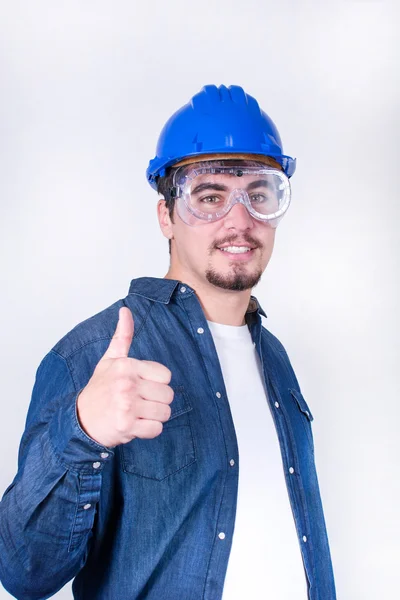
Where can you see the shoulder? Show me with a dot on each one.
(99, 328)
(273, 342)
(277, 353)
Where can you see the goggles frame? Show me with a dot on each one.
(187, 173)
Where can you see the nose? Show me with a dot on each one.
(239, 218)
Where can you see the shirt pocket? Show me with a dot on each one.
(305, 413)
(169, 452)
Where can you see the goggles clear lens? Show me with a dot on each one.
(205, 194)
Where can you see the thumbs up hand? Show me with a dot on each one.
(125, 397)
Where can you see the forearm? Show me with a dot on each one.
(47, 514)
(44, 527)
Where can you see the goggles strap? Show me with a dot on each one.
(171, 193)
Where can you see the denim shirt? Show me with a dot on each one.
(141, 521)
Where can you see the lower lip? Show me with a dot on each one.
(239, 256)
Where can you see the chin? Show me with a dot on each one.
(237, 281)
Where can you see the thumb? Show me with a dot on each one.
(122, 338)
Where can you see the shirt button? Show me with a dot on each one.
(87, 506)
(218, 394)
(200, 330)
(231, 462)
(96, 465)
(104, 455)
(291, 470)
(183, 289)
(304, 538)
(221, 535)
(277, 404)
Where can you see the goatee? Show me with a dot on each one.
(237, 282)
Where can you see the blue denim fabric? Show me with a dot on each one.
(156, 506)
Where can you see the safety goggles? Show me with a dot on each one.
(206, 194)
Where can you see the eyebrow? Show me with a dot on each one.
(220, 187)
(259, 183)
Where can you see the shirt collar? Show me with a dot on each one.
(154, 288)
(254, 306)
(161, 290)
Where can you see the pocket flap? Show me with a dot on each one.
(302, 404)
(180, 404)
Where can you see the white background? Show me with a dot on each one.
(85, 89)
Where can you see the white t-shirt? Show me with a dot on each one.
(265, 561)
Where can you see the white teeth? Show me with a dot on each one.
(236, 249)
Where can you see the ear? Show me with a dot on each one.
(164, 219)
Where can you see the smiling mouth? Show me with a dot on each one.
(237, 253)
(236, 249)
(236, 246)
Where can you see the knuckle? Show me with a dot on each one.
(125, 406)
(127, 437)
(120, 366)
(124, 385)
(120, 428)
(121, 423)
(120, 386)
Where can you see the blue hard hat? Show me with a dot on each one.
(217, 120)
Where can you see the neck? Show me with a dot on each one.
(227, 307)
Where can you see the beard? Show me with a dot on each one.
(237, 281)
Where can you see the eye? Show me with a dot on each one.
(209, 200)
(259, 198)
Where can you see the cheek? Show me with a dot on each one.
(270, 240)
(270, 237)
(203, 238)
(196, 242)
(267, 239)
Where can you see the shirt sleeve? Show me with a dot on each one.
(48, 511)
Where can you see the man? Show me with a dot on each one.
(168, 451)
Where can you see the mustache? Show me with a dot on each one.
(237, 240)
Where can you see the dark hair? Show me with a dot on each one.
(165, 183)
